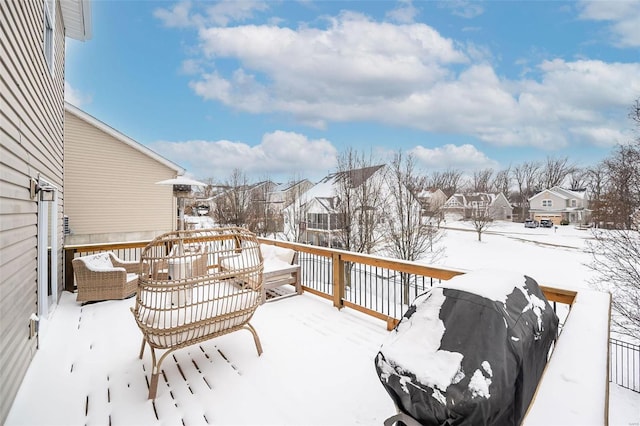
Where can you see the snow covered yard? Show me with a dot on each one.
(317, 366)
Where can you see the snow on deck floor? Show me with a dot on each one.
(317, 368)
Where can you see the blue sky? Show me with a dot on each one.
(280, 88)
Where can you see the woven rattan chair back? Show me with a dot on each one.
(186, 297)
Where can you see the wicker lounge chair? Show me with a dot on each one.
(104, 276)
(187, 298)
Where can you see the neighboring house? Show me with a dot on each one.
(495, 206)
(316, 216)
(111, 193)
(32, 69)
(431, 203)
(282, 196)
(560, 206)
(286, 193)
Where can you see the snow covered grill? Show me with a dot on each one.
(469, 351)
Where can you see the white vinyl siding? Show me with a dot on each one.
(31, 135)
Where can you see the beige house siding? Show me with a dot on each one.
(110, 190)
(31, 144)
(557, 203)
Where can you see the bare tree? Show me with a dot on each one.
(554, 172)
(480, 219)
(448, 181)
(293, 213)
(578, 178)
(261, 217)
(616, 262)
(233, 203)
(481, 181)
(502, 182)
(616, 253)
(622, 190)
(595, 183)
(359, 201)
(526, 175)
(408, 237)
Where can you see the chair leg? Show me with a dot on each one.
(153, 386)
(298, 283)
(155, 370)
(142, 348)
(256, 339)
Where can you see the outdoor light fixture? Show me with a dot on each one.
(46, 191)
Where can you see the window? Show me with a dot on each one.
(49, 27)
(574, 203)
(318, 221)
(547, 203)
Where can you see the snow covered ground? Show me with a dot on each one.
(90, 356)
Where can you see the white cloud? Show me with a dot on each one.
(75, 97)
(280, 154)
(227, 11)
(179, 16)
(404, 13)
(464, 157)
(222, 13)
(464, 8)
(623, 17)
(357, 69)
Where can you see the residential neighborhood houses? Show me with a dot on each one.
(305, 212)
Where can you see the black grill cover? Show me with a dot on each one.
(470, 351)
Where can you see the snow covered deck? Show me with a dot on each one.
(318, 361)
(317, 368)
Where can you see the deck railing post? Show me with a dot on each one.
(338, 280)
(69, 284)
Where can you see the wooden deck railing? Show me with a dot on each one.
(378, 286)
(383, 287)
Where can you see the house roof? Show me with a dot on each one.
(355, 176)
(429, 193)
(563, 193)
(121, 137)
(326, 203)
(466, 199)
(283, 187)
(77, 19)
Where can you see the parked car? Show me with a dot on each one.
(530, 223)
(546, 223)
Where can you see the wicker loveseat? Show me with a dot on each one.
(187, 298)
(104, 276)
